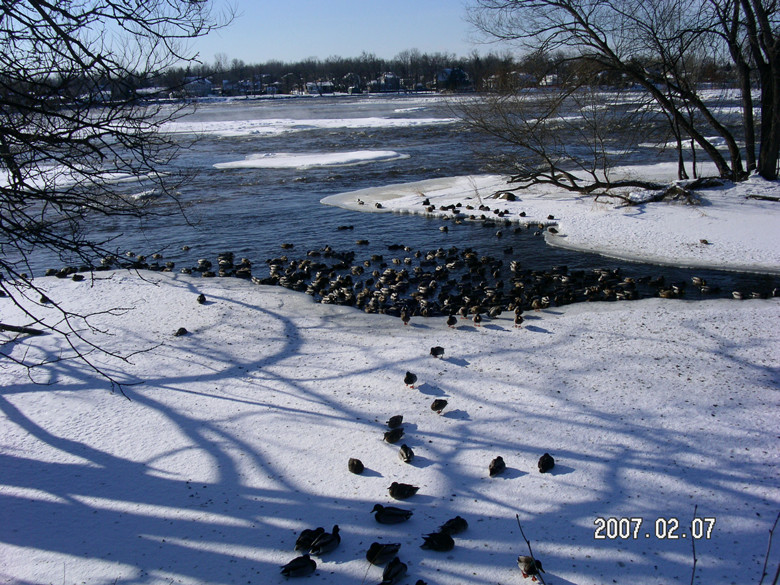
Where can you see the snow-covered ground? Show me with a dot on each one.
(238, 434)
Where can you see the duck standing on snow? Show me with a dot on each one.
(390, 514)
(379, 554)
(454, 526)
(437, 351)
(497, 466)
(410, 379)
(529, 566)
(401, 491)
(355, 466)
(306, 537)
(546, 463)
(299, 567)
(405, 454)
(438, 405)
(394, 572)
(326, 542)
(438, 541)
(394, 435)
(395, 421)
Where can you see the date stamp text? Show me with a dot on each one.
(671, 528)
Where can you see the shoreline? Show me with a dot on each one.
(658, 233)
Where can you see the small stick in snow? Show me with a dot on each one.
(530, 552)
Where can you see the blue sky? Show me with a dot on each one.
(290, 30)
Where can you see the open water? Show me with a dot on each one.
(251, 212)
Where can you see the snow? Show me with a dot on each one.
(311, 160)
(237, 435)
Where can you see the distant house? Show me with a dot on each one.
(389, 82)
(228, 87)
(453, 79)
(386, 82)
(319, 87)
(510, 80)
(197, 86)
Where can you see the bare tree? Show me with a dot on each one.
(655, 45)
(79, 136)
(568, 136)
(759, 45)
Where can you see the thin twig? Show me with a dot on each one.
(693, 546)
(768, 549)
(530, 552)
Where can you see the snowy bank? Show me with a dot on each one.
(730, 229)
(239, 434)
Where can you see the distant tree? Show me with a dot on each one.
(73, 120)
(657, 45)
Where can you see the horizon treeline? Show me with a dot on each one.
(412, 70)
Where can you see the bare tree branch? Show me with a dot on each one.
(657, 46)
(530, 552)
(78, 140)
(768, 550)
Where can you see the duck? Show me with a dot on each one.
(394, 572)
(299, 567)
(326, 542)
(454, 526)
(439, 405)
(201, 299)
(437, 351)
(394, 435)
(381, 553)
(401, 491)
(477, 319)
(529, 566)
(438, 541)
(496, 466)
(410, 379)
(355, 466)
(390, 514)
(395, 421)
(519, 320)
(405, 454)
(307, 536)
(546, 463)
(452, 320)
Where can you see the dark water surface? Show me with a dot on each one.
(250, 212)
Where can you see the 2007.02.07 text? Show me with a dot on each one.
(613, 528)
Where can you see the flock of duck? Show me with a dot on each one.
(317, 542)
(406, 282)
